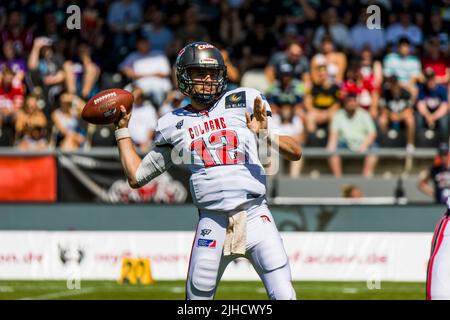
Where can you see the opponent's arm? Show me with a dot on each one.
(287, 145)
(139, 172)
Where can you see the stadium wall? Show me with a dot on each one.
(183, 217)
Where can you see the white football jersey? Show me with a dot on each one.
(219, 149)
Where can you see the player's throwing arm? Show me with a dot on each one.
(139, 172)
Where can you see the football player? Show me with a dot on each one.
(219, 137)
(438, 273)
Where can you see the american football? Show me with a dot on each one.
(103, 108)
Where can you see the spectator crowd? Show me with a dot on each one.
(331, 80)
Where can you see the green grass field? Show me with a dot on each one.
(175, 290)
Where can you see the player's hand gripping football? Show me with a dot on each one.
(124, 118)
(259, 121)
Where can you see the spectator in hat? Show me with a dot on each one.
(439, 174)
(396, 108)
(406, 67)
(287, 120)
(352, 128)
(432, 105)
(286, 85)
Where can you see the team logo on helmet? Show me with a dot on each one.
(204, 46)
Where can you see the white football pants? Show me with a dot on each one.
(264, 249)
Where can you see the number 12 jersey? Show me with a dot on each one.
(218, 148)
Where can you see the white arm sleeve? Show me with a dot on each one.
(154, 163)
